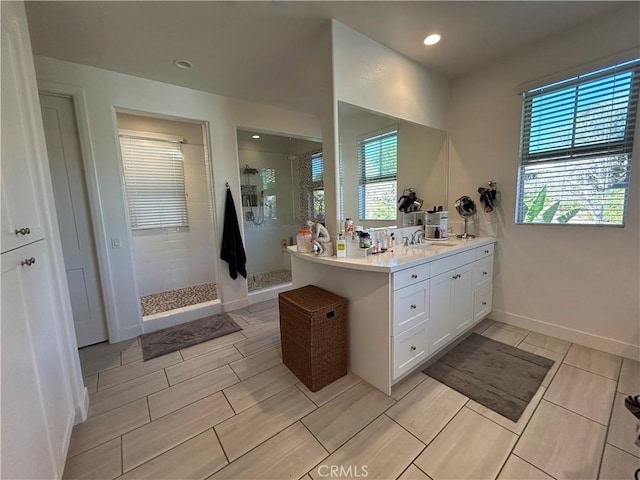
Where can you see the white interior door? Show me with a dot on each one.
(74, 221)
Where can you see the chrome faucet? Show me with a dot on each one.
(405, 241)
(417, 237)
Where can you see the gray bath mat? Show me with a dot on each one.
(181, 336)
(498, 376)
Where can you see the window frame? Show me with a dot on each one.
(597, 155)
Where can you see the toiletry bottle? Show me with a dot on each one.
(436, 234)
(341, 247)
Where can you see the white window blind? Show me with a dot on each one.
(576, 146)
(154, 182)
(377, 174)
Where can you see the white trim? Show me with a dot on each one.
(150, 135)
(609, 345)
(95, 204)
(236, 304)
(82, 410)
(578, 70)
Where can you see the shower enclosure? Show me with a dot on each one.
(274, 196)
(168, 190)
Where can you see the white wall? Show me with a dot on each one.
(371, 75)
(172, 258)
(100, 93)
(574, 282)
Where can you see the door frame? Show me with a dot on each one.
(78, 98)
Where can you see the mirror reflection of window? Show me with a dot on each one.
(377, 175)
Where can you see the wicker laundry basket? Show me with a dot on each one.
(313, 329)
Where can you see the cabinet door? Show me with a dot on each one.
(37, 408)
(462, 299)
(21, 124)
(439, 325)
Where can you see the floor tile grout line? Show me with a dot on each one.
(297, 384)
(490, 419)
(621, 450)
(264, 441)
(410, 433)
(606, 434)
(593, 373)
(221, 446)
(575, 413)
(439, 431)
(328, 453)
(412, 388)
(534, 466)
(190, 403)
(519, 437)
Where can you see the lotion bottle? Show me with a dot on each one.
(341, 247)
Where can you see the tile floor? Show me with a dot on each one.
(181, 297)
(229, 408)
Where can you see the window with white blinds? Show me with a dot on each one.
(576, 147)
(154, 182)
(317, 188)
(377, 174)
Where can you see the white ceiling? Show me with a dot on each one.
(267, 51)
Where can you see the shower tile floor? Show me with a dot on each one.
(259, 281)
(182, 297)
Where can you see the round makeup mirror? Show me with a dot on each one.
(466, 208)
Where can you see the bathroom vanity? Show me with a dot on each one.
(407, 304)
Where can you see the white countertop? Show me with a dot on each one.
(399, 257)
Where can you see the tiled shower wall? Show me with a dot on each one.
(171, 258)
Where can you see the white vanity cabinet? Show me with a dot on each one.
(405, 306)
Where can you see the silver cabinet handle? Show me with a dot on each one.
(484, 273)
(28, 261)
(23, 231)
(413, 348)
(486, 251)
(413, 307)
(414, 276)
(484, 303)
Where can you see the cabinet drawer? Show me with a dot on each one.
(482, 302)
(452, 262)
(482, 272)
(482, 252)
(409, 349)
(410, 306)
(410, 276)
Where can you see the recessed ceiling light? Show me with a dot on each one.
(255, 136)
(432, 39)
(184, 64)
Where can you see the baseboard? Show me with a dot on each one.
(235, 305)
(586, 339)
(82, 410)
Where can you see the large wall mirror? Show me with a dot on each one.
(380, 157)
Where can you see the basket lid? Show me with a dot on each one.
(312, 298)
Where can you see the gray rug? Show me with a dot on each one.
(185, 335)
(498, 376)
